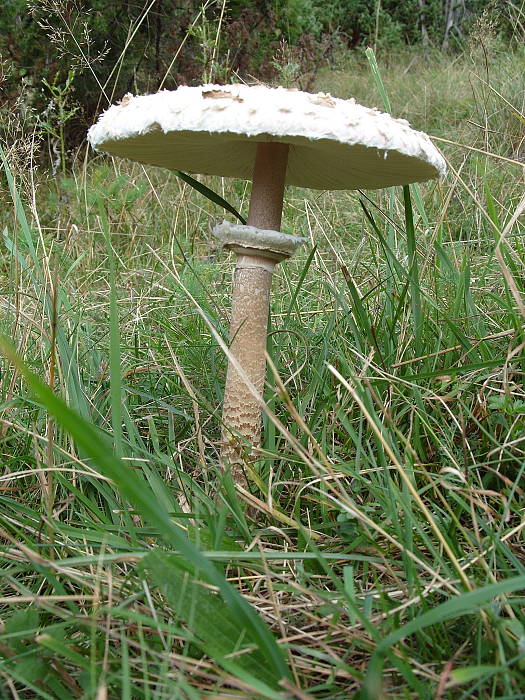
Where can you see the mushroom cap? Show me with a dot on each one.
(214, 130)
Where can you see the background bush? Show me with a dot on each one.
(64, 61)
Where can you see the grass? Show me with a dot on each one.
(386, 556)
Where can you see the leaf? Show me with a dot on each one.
(22, 625)
(33, 669)
(61, 649)
(472, 673)
(217, 632)
(209, 194)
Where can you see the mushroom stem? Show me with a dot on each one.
(242, 413)
(266, 202)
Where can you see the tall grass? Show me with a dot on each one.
(386, 553)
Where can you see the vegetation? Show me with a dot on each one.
(96, 51)
(383, 550)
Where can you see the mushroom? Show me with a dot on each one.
(273, 136)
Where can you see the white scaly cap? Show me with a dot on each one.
(214, 130)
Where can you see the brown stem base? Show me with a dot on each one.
(241, 413)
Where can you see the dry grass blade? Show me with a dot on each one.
(403, 475)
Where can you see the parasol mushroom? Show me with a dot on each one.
(274, 137)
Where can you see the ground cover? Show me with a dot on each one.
(386, 553)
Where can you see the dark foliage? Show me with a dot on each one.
(111, 48)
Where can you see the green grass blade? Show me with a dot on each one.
(19, 210)
(208, 619)
(209, 194)
(415, 295)
(463, 604)
(372, 61)
(135, 489)
(115, 372)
